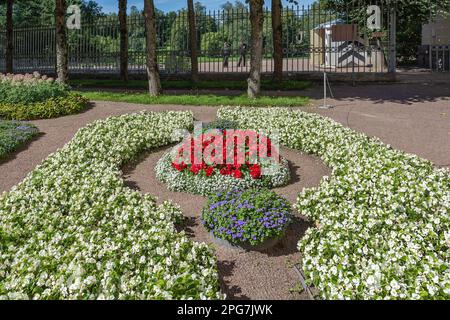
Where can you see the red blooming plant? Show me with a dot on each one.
(234, 153)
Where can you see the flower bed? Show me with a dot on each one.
(13, 134)
(72, 230)
(206, 174)
(32, 96)
(382, 218)
(246, 217)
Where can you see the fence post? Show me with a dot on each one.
(393, 38)
(193, 41)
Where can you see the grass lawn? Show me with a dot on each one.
(187, 84)
(197, 100)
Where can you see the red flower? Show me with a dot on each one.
(237, 174)
(255, 171)
(225, 171)
(209, 171)
(179, 166)
(195, 169)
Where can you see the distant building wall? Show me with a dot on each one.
(437, 32)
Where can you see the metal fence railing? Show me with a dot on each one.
(315, 39)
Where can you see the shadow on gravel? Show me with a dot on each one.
(233, 292)
(11, 156)
(385, 93)
(288, 245)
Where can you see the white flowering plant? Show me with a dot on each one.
(72, 230)
(382, 220)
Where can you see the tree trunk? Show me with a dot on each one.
(277, 28)
(257, 22)
(154, 83)
(61, 41)
(123, 40)
(193, 41)
(9, 36)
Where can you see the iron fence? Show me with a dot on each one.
(315, 39)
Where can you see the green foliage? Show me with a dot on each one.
(186, 84)
(54, 107)
(13, 134)
(179, 34)
(42, 12)
(251, 216)
(26, 92)
(212, 43)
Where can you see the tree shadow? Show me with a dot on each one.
(13, 155)
(288, 244)
(407, 94)
(132, 185)
(233, 292)
(188, 226)
(295, 177)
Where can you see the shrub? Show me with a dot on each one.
(29, 88)
(212, 43)
(32, 96)
(54, 107)
(13, 134)
(72, 230)
(382, 219)
(252, 216)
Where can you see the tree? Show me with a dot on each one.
(9, 36)
(277, 28)
(179, 33)
(123, 40)
(193, 41)
(257, 22)
(62, 60)
(154, 82)
(212, 43)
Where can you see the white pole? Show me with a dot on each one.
(324, 90)
(325, 82)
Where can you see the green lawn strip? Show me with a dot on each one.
(13, 134)
(197, 100)
(187, 84)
